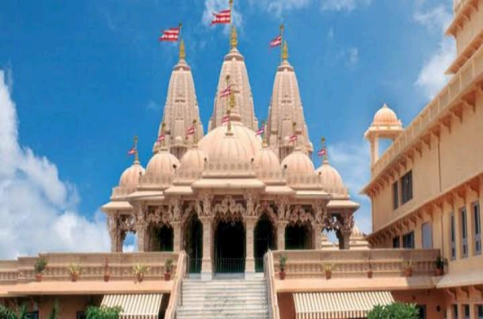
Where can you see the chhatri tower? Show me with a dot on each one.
(229, 196)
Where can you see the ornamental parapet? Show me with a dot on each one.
(355, 264)
(92, 265)
(119, 192)
(149, 180)
(303, 180)
(434, 112)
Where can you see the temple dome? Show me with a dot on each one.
(130, 177)
(193, 160)
(266, 161)
(230, 149)
(298, 163)
(245, 136)
(329, 176)
(163, 164)
(385, 117)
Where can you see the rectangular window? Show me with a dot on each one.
(455, 311)
(464, 233)
(479, 311)
(395, 195)
(407, 187)
(80, 315)
(408, 240)
(477, 228)
(427, 236)
(396, 243)
(422, 311)
(32, 315)
(466, 311)
(453, 238)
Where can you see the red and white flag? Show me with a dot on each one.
(322, 152)
(226, 92)
(293, 138)
(170, 35)
(190, 130)
(276, 42)
(225, 119)
(132, 151)
(222, 17)
(161, 138)
(261, 130)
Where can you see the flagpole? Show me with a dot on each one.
(231, 22)
(282, 29)
(136, 155)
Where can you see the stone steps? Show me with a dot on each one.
(223, 298)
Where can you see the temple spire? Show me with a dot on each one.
(285, 51)
(182, 50)
(233, 38)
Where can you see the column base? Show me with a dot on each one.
(206, 276)
(250, 274)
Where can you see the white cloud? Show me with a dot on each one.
(353, 54)
(352, 160)
(431, 78)
(37, 209)
(343, 5)
(277, 7)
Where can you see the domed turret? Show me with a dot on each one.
(298, 163)
(266, 160)
(231, 150)
(329, 176)
(131, 176)
(385, 117)
(358, 240)
(161, 168)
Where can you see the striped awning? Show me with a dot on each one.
(338, 305)
(139, 306)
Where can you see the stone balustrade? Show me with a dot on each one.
(355, 263)
(92, 266)
(449, 96)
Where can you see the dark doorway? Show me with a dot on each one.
(230, 247)
(165, 238)
(263, 240)
(193, 238)
(298, 237)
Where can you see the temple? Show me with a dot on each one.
(254, 230)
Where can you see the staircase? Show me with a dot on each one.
(230, 298)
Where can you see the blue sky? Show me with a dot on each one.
(84, 77)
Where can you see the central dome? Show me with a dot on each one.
(230, 150)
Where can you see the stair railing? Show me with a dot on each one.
(176, 298)
(271, 291)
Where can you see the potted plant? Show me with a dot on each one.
(39, 267)
(139, 271)
(283, 261)
(370, 273)
(168, 266)
(107, 271)
(440, 263)
(74, 270)
(407, 266)
(328, 270)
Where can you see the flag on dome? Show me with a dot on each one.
(261, 130)
(322, 152)
(132, 151)
(276, 42)
(226, 92)
(225, 119)
(170, 35)
(293, 138)
(221, 17)
(190, 130)
(161, 138)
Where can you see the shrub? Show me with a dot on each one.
(103, 312)
(40, 265)
(394, 311)
(6, 313)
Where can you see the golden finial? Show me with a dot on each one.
(182, 51)
(163, 133)
(325, 155)
(234, 38)
(194, 134)
(136, 154)
(264, 134)
(285, 51)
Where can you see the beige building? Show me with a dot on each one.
(230, 206)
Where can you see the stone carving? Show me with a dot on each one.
(299, 215)
(229, 209)
(160, 215)
(127, 223)
(283, 211)
(203, 206)
(253, 205)
(175, 208)
(347, 224)
(320, 212)
(265, 208)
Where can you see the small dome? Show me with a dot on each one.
(266, 161)
(329, 176)
(162, 164)
(356, 232)
(231, 150)
(251, 142)
(178, 140)
(385, 117)
(130, 177)
(298, 163)
(193, 160)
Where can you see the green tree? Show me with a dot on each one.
(103, 312)
(394, 311)
(6, 313)
(55, 311)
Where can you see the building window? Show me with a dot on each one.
(32, 315)
(464, 232)
(453, 238)
(396, 242)
(477, 228)
(422, 311)
(479, 311)
(466, 311)
(407, 187)
(427, 236)
(395, 195)
(80, 315)
(408, 240)
(455, 312)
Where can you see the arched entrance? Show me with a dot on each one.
(162, 238)
(264, 240)
(298, 236)
(230, 247)
(193, 243)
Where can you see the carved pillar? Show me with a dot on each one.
(317, 245)
(250, 260)
(206, 264)
(374, 150)
(345, 231)
(141, 229)
(114, 233)
(176, 237)
(281, 235)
